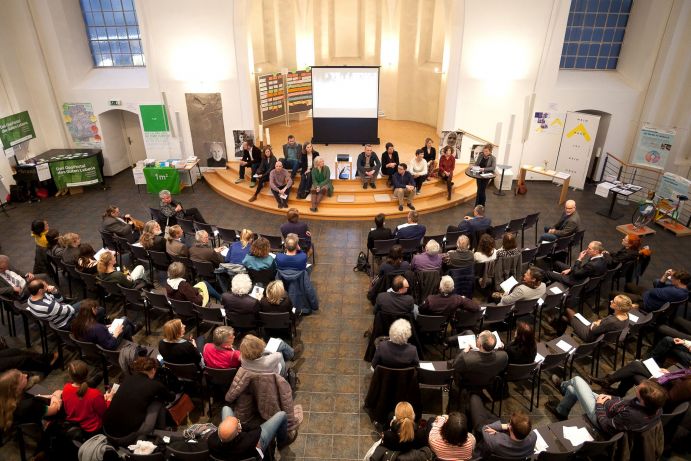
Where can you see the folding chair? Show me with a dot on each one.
(530, 221)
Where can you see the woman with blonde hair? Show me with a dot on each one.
(321, 183)
(403, 434)
(275, 298)
(238, 250)
(71, 243)
(107, 272)
(174, 347)
(151, 238)
(174, 244)
(255, 357)
(617, 321)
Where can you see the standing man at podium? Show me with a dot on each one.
(488, 163)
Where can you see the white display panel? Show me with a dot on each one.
(345, 92)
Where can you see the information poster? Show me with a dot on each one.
(548, 122)
(271, 95)
(81, 123)
(156, 130)
(299, 88)
(16, 129)
(75, 170)
(653, 147)
(577, 146)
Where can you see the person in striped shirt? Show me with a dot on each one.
(45, 302)
(449, 438)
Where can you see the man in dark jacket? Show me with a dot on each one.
(476, 223)
(568, 224)
(251, 157)
(403, 186)
(173, 210)
(379, 232)
(478, 368)
(411, 229)
(397, 301)
(202, 251)
(590, 263)
(368, 166)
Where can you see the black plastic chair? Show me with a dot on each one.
(590, 290)
(611, 338)
(158, 302)
(141, 256)
(380, 249)
(275, 241)
(498, 231)
(90, 352)
(561, 249)
(92, 287)
(187, 226)
(440, 380)
(551, 362)
(410, 247)
(432, 327)
(108, 241)
(528, 256)
(228, 235)
(517, 373)
(451, 239)
(524, 310)
(530, 221)
(204, 270)
(217, 381)
(134, 299)
(242, 323)
(599, 449)
(498, 315)
(212, 316)
(584, 350)
(64, 341)
(544, 250)
(200, 454)
(113, 293)
(160, 260)
(556, 456)
(572, 298)
(73, 276)
(577, 240)
(262, 277)
(278, 324)
(515, 226)
(185, 310)
(463, 280)
(634, 329)
(156, 456)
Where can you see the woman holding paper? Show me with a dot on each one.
(588, 332)
(86, 327)
(487, 162)
(174, 348)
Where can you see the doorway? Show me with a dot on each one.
(123, 142)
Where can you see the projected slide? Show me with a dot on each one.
(345, 92)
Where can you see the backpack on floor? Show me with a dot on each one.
(362, 264)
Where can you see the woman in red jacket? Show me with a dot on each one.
(447, 162)
(83, 404)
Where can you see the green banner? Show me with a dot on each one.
(160, 178)
(154, 118)
(74, 172)
(15, 129)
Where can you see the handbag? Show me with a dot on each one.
(181, 408)
(381, 453)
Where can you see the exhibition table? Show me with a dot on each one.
(551, 173)
(160, 178)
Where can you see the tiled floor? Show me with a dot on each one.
(333, 377)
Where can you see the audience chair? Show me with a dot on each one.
(210, 315)
(213, 458)
(498, 315)
(577, 240)
(112, 357)
(590, 290)
(112, 293)
(276, 242)
(556, 456)
(242, 323)
(156, 456)
(92, 286)
(388, 387)
(561, 249)
(217, 381)
(432, 327)
(530, 221)
(90, 352)
(463, 280)
(498, 231)
(614, 339)
(572, 297)
(64, 340)
(17, 308)
(188, 373)
(185, 310)
(506, 458)
(198, 454)
(585, 350)
(74, 275)
(278, 324)
(311, 249)
(450, 239)
(205, 271)
(626, 272)
(34, 430)
(426, 283)
(160, 260)
(108, 241)
(159, 217)
(42, 330)
(438, 238)
(551, 362)
(228, 235)
(528, 257)
(675, 308)
(524, 310)
(187, 226)
(515, 225)
(56, 267)
(262, 277)
(134, 299)
(141, 256)
(380, 249)
(600, 450)
(158, 302)
(462, 321)
(187, 262)
(123, 248)
(440, 380)
(410, 247)
(606, 286)
(658, 317)
(520, 373)
(634, 330)
(671, 421)
(544, 250)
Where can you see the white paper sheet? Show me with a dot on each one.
(583, 320)
(653, 367)
(539, 358)
(603, 188)
(272, 345)
(223, 312)
(43, 172)
(540, 301)
(100, 252)
(427, 366)
(577, 435)
(499, 345)
(464, 340)
(556, 290)
(540, 444)
(507, 284)
(633, 318)
(561, 175)
(225, 251)
(257, 292)
(116, 323)
(564, 346)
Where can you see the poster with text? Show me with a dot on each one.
(81, 123)
(271, 96)
(15, 129)
(577, 146)
(157, 137)
(299, 89)
(653, 147)
(205, 115)
(548, 122)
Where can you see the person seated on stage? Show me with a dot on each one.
(123, 227)
(447, 163)
(180, 289)
(568, 224)
(86, 327)
(252, 158)
(532, 287)
(462, 256)
(173, 210)
(430, 155)
(610, 414)
(308, 158)
(403, 186)
(174, 244)
(397, 301)
(446, 303)
(485, 249)
(238, 250)
(418, 168)
(12, 284)
(430, 260)
(46, 303)
(508, 246)
(513, 440)
(108, 273)
(396, 352)
(411, 229)
(71, 241)
(292, 151)
(295, 226)
(152, 238)
(238, 300)
(220, 353)
(84, 405)
(590, 263)
(264, 171)
(484, 364)
(394, 261)
(403, 434)
(379, 232)
(55, 244)
(672, 287)
(174, 347)
(280, 182)
(475, 224)
(523, 348)
(368, 166)
(617, 321)
(389, 162)
(630, 246)
(231, 443)
(293, 258)
(276, 299)
(259, 258)
(321, 183)
(203, 251)
(87, 262)
(450, 439)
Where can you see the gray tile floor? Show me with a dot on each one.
(333, 377)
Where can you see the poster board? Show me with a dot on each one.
(653, 147)
(271, 96)
(576, 147)
(74, 170)
(299, 90)
(81, 124)
(15, 129)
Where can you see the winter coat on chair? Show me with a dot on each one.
(505, 267)
(300, 290)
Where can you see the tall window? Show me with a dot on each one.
(113, 32)
(594, 34)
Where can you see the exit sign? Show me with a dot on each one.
(115, 102)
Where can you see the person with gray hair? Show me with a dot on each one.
(477, 367)
(203, 251)
(446, 303)
(396, 352)
(430, 260)
(221, 353)
(461, 257)
(293, 258)
(173, 210)
(239, 301)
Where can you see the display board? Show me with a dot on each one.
(577, 146)
(74, 170)
(299, 91)
(81, 123)
(653, 147)
(271, 96)
(16, 129)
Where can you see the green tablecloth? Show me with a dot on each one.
(160, 178)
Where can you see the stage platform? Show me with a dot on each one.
(349, 201)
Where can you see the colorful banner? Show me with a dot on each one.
(162, 178)
(271, 95)
(577, 146)
(299, 89)
(16, 129)
(75, 170)
(81, 123)
(653, 147)
(548, 122)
